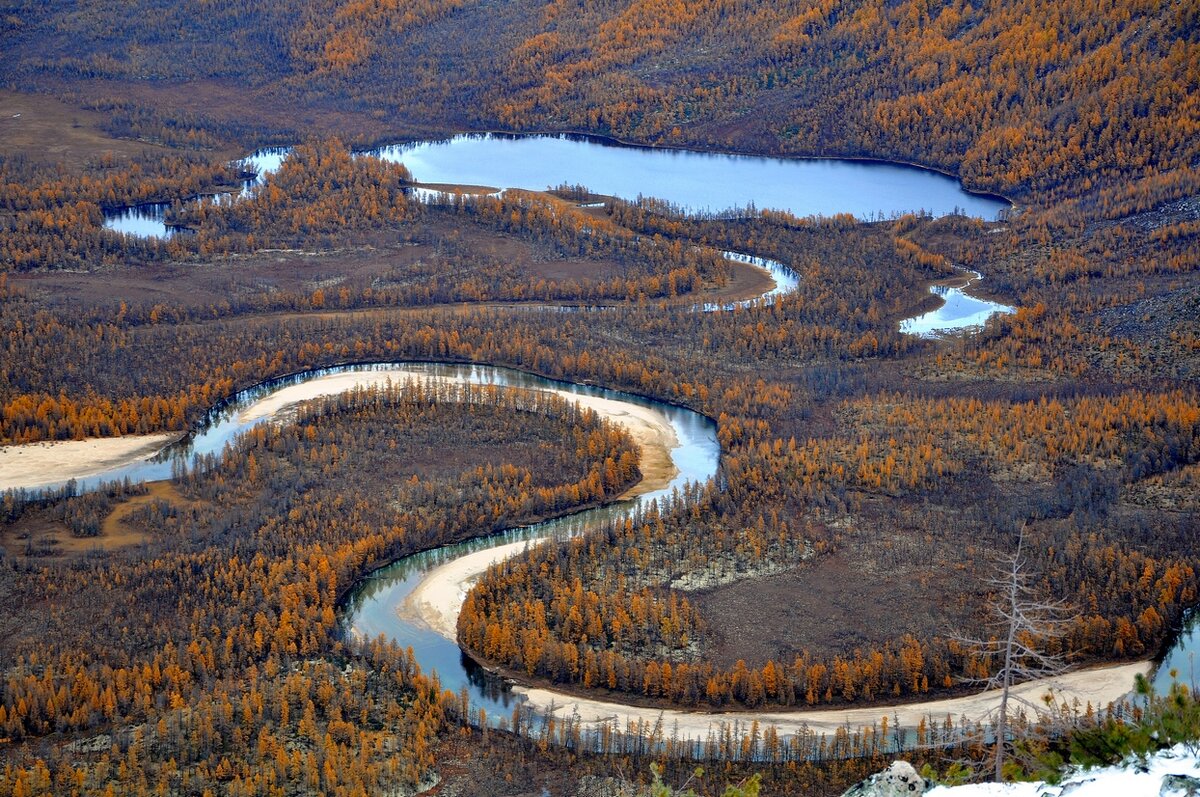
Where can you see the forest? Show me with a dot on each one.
(186, 636)
(249, 557)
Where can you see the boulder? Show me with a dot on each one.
(898, 780)
(1179, 786)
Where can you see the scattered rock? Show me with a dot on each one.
(96, 744)
(1074, 786)
(594, 786)
(1179, 786)
(898, 780)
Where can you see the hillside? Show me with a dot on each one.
(838, 492)
(1029, 99)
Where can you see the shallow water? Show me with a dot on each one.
(958, 311)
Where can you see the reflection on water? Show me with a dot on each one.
(695, 181)
(1181, 657)
(958, 311)
(147, 221)
(143, 221)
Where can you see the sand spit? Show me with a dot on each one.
(438, 598)
(649, 428)
(37, 464)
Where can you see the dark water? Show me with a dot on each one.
(1182, 658)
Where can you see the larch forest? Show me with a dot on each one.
(194, 633)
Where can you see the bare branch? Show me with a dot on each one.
(1024, 622)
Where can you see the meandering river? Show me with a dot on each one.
(373, 606)
(694, 181)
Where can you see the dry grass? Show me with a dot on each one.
(38, 538)
(43, 128)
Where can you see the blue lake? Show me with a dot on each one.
(695, 181)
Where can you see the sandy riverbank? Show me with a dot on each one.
(438, 598)
(1099, 687)
(36, 464)
(649, 429)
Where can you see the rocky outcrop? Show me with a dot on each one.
(1179, 786)
(898, 780)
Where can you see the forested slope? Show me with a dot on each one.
(850, 452)
(1025, 98)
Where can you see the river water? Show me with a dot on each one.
(370, 609)
(694, 181)
(957, 311)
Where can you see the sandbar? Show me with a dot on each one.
(437, 600)
(650, 429)
(1099, 687)
(37, 464)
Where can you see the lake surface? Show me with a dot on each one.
(695, 181)
(142, 221)
(958, 311)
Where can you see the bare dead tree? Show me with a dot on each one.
(1024, 622)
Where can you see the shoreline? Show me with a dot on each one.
(654, 435)
(438, 598)
(435, 602)
(1097, 687)
(31, 465)
(611, 140)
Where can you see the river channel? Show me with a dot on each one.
(691, 181)
(697, 182)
